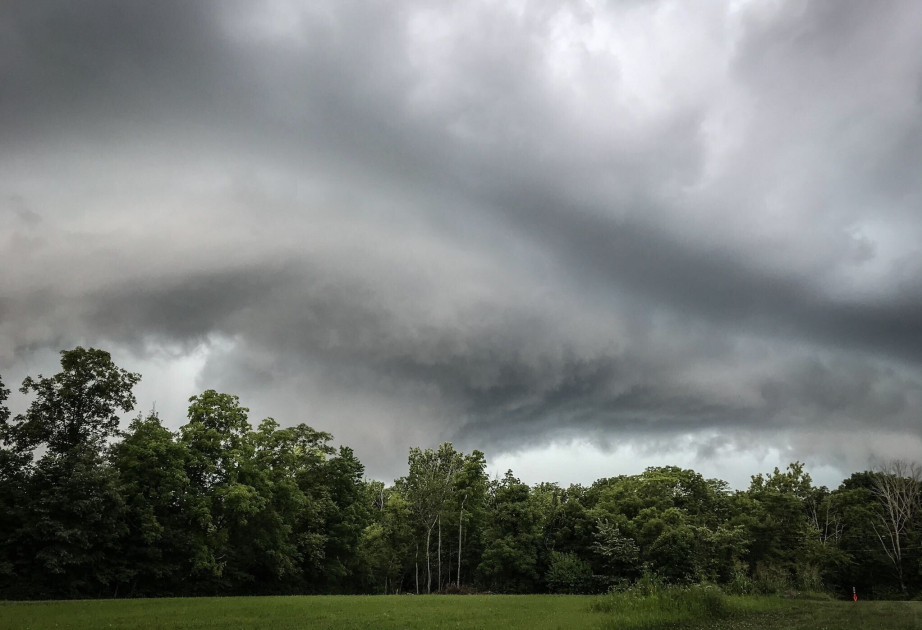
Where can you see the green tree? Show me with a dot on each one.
(427, 488)
(775, 515)
(569, 574)
(296, 458)
(310, 530)
(72, 512)
(469, 491)
(346, 519)
(77, 406)
(13, 475)
(620, 553)
(670, 519)
(567, 527)
(867, 567)
(220, 451)
(151, 466)
(511, 538)
(387, 544)
(74, 526)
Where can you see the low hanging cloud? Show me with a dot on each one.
(500, 224)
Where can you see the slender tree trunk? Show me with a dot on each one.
(438, 582)
(460, 521)
(417, 568)
(898, 554)
(428, 562)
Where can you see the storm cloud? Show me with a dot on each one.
(510, 225)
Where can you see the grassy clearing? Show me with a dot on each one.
(656, 611)
(316, 613)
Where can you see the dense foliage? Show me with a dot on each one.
(223, 507)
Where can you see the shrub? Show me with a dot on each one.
(740, 583)
(454, 589)
(772, 580)
(568, 574)
(652, 605)
(810, 580)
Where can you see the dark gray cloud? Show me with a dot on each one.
(407, 222)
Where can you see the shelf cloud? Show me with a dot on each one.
(508, 225)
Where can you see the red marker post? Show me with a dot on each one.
(854, 594)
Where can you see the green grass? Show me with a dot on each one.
(829, 615)
(709, 609)
(532, 612)
(652, 606)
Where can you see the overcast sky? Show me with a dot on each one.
(584, 237)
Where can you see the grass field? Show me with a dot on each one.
(532, 612)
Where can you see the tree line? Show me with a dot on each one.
(220, 507)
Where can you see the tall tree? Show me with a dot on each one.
(220, 446)
(512, 538)
(151, 465)
(347, 518)
(866, 564)
(79, 405)
(427, 488)
(775, 513)
(74, 513)
(898, 488)
(13, 474)
(74, 526)
(387, 543)
(469, 491)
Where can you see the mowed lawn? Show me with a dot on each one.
(486, 612)
(317, 613)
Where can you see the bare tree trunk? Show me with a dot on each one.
(460, 521)
(417, 568)
(428, 562)
(438, 582)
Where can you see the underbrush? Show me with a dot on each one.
(654, 606)
(774, 580)
(452, 589)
